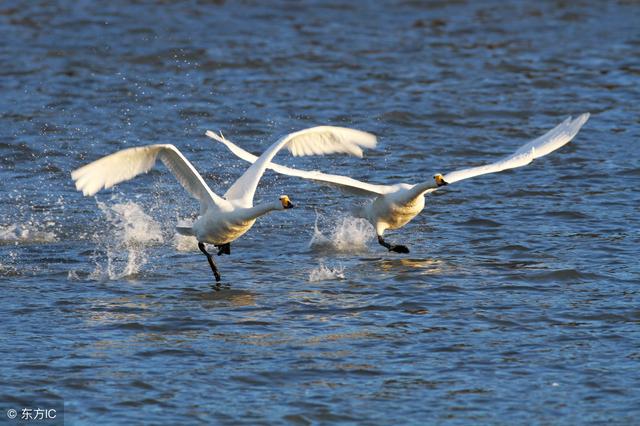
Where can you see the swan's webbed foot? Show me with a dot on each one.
(397, 248)
(214, 269)
(219, 287)
(224, 249)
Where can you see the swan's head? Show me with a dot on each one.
(286, 203)
(440, 180)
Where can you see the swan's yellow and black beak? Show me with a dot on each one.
(286, 203)
(440, 180)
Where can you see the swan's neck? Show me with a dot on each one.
(261, 209)
(421, 188)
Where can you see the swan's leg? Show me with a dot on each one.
(210, 259)
(398, 248)
(224, 249)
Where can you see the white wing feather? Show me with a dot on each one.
(343, 183)
(314, 141)
(549, 142)
(129, 163)
(329, 139)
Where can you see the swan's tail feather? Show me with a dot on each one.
(185, 230)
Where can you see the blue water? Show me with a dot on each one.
(518, 303)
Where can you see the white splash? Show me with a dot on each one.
(25, 233)
(184, 243)
(348, 235)
(130, 231)
(323, 273)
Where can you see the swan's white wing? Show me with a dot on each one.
(328, 140)
(510, 162)
(552, 140)
(129, 163)
(343, 183)
(314, 141)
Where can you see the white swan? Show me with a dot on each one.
(393, 206)
(222, 219)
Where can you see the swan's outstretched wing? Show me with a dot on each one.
(343, 183)
(552, 140)
(129, 163)
(314, 141)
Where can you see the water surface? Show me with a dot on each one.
(517, 304)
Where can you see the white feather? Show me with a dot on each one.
(328, 140)
(314, 141)
(129, 163)
(545, 144)
(343, 183)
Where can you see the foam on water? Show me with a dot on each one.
(72, 275)
(8, 270)
(323, 273)
(348, 235)
(130, 231)
(25, 234)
